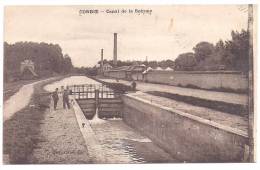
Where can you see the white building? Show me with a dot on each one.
(107, 67)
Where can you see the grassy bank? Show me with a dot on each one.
(216, 105)
(117, 87)
(12, 87)
(20, 132)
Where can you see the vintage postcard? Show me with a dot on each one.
(129, 84)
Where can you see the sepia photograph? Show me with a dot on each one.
(129, 84)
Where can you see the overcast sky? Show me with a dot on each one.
(167, 32)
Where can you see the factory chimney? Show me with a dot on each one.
(115, 49)
(102, 61)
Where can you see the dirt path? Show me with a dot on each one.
(20, 99)
(60, 139)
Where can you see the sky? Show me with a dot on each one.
(163, 34)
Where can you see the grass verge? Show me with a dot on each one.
(216, 105)
(12, 87)
(117, 87)
(21, 131)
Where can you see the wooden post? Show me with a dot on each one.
(102, 91)
(87, 92)
(74, 90)
(96, 100)
(251, 87)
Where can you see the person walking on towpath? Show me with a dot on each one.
(55, 98)
(134, 85)
(65, 97)
(62, 90)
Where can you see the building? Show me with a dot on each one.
(27, 70)
(134, 72)
(107, 67)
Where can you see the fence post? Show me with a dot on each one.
(96, 98)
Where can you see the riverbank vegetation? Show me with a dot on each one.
(47, 58)
(224, 55)
(235, 109)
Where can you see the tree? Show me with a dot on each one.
(185, 62)
(214, 60)
(232, 54)
(236, 51)
(48, 58)
(166, 63)
(203, 50)
(67, 64)
(153, 64)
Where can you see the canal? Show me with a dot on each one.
(119, 142)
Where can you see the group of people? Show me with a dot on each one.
(65, 97)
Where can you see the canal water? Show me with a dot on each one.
(69, 81)
(119, 142)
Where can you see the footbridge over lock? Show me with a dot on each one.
(97, 99)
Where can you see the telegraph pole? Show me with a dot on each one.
(251, 119)
(115, 50)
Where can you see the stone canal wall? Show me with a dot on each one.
(214, 80)
(186, 137)
(205, 80)
(116, 74)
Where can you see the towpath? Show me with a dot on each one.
(233, 98)
(60, 139)
(20, 99)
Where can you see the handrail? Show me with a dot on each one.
(85, 91)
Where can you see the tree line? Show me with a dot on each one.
(48, 59)
(224, 55)
(229, 55)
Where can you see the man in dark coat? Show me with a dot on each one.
(65, 97)
(134, 85)
(55, 98)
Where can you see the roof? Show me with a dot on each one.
(27, 62)
(129, 68)
(169, 69)
(158, 68)
(30, 70)
(147, 70)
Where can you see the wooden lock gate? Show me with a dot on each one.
(98, 98)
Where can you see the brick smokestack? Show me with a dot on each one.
(102, 61)
(115, 49)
